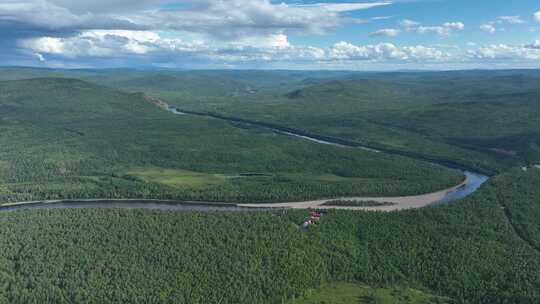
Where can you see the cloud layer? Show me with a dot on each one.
(233, 33)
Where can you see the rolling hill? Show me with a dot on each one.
(67, 138)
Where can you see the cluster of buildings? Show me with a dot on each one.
(314, 217)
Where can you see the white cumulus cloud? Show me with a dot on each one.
(112, 43)
(506, 52)
(537, 16)
(454, 25)
(439, 30)
(408, 24)
(444, 30)
(39, 57)
(488, 27)
(345, 7)
(510, 19)
(383, 52)
(107, 43)
(237, 18)
(390, 32)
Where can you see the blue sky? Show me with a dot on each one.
(473, 13)
(264, 34)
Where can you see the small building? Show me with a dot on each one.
(315, 215)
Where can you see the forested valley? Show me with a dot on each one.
(67, 138)
(93, 134)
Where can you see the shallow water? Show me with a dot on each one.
(474, 181)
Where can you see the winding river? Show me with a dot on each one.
(470, 185)
(124, 204)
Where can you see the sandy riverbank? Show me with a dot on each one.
(400, 202)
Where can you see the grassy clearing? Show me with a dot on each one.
(178, 178)
(348, 293)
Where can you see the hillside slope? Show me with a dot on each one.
(486, 120)
(65, 138)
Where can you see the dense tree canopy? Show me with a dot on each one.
(66, 138)
(469, 250)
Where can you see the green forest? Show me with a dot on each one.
(483, 120)
(67, 138)
(77, 134)
(346, 293)
(472, 251)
